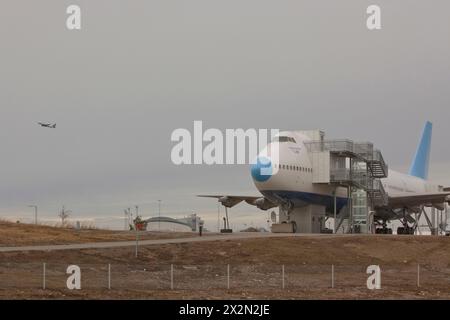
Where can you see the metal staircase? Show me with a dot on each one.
(377, 194)
(354, 165)
(377, 166)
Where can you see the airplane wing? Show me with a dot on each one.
(419, 199)
(230, 201)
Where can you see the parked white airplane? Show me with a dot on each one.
(291, 183)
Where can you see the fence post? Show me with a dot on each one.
(332, 276)
(228, 276)
(137, 243)
(418, 275)
(171, 277)
(43, 276)
(109, 276)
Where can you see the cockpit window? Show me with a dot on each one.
(283, 139)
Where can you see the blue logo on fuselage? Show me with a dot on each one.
(262, 169)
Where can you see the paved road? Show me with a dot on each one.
(116, 244)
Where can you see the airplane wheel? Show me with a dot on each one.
(400, 230)
(294, 227)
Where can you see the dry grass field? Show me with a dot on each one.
(200, 269)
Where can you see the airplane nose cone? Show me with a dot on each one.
(262, 169)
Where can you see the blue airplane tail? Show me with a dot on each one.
(419, 166)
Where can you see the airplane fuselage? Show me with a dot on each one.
(292, 178)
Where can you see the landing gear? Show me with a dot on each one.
(384, 229)
(294, 226)
(286, 208)
(287, 225)
(405, 230)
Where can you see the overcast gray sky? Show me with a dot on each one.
(140, 69)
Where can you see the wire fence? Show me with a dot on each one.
(56, 276)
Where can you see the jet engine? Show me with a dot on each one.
(264, 204)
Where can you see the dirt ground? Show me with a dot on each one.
(267, 268)
(20, 234)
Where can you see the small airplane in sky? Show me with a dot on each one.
(47, 125)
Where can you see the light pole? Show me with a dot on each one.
(334, 211)
(159, 215)
(218, 217)
(35, 212)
